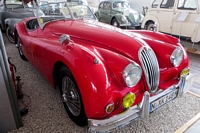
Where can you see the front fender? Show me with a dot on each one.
(96, 82)
(96, 79)
(10, 22)
(148, 18)
(118, 17)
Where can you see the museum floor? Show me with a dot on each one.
(47, 114)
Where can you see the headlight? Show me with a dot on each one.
(132, 74)
(124, 18)
(177, 56)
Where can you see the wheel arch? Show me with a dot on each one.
(113, 17)
(56, 68)
(149, 18)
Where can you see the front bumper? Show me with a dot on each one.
(130, 24)
(139, 111)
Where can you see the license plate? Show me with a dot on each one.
(163, 100)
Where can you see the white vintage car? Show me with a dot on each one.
(177, 17)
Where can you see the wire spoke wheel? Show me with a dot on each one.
(70, 96)
(9, 35)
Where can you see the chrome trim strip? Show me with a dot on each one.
(137, 111)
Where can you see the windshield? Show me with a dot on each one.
(121, 4)
(63, 10)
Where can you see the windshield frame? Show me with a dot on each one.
(43, 20)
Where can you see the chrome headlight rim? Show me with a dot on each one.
(177, 56)
(132, 74)
(124, 19)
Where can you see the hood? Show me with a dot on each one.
(100, 35)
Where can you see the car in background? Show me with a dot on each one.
(118, 13)
(107, 76)
(10, 10)
(176, 17)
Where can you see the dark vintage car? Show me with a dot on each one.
(118, 13)
(107, 76)
(13, 10)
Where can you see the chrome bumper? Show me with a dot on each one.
(138, 111)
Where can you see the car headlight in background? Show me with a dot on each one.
(124, 18)
(177, 56)
(132, 74)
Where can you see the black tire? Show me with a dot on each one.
(19, 47)
(149, 26)
(71, 97)
(10, 35)
(115, 22)
(138, 27)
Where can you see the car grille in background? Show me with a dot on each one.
(150, 67)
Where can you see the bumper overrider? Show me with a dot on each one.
(148, 105)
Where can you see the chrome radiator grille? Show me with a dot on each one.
(150, 67)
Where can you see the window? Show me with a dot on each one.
(106, 5)
(121, 4)
(156, 3)
(187, 4)
(101, 6)
(167, 4)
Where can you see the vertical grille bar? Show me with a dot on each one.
(150, 67)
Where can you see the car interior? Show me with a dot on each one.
(32, 24)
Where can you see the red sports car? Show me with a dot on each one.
(107, 76)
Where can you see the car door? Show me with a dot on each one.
(39, 50)
(188, 26)
(165, 15)
(104, 11)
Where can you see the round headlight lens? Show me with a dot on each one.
(124, 18)
(132, 74)
(177, 56)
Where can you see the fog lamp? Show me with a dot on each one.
(128, 100)
(185, 72)
(109, 108)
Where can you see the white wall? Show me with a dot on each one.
(138, 4)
